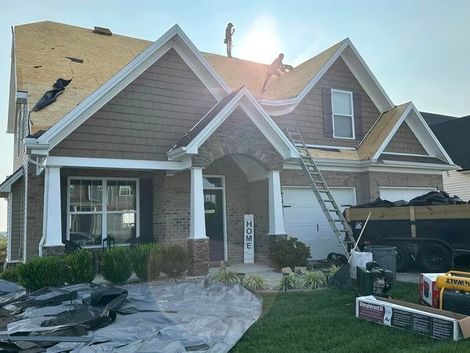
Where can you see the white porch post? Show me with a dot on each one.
(197, 228)
(276, 214)
(53, 228)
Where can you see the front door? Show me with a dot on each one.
(214, 212)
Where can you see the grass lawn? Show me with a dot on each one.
(324, 321)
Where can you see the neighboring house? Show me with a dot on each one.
(160, 141)
(454, 133)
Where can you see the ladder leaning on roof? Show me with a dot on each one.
(325, 198)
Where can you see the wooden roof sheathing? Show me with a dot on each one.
(42, 49)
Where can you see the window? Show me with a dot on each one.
(343, 114)
(100, 208)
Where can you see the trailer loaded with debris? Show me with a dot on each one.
(150, 317)
(432, 228)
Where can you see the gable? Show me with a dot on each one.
(311, 116)
(405, 141)
(238, 135)
(146, 118)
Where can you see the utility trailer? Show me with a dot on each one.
(432, 235)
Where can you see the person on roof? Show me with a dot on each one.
(229, 31)
(274, 68)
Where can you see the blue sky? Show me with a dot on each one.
(419, 50)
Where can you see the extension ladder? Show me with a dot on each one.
(325, 198)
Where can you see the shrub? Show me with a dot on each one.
(79, 267)
(116, 265)
(11, 274)
(145, 261)
(174, 260)
(42, 272)
(225, 275)
(254, 282)
(314, 280)
(292, 281)
(289, 253)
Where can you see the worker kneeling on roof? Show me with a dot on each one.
(273, 69)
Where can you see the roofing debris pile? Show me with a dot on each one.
(150, 317)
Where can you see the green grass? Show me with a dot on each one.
(324, 321)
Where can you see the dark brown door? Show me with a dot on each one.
(214, 212)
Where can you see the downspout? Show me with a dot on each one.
(25, 237)
(44, 214)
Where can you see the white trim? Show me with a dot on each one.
(326, 147)
(358, 67)
(7, 184)
(406, 154)
(353, 130)
(9, 227)
(197, 226)
(173, 38)
(224, 208)
(257, 115)
(104, 207)
(408, 187)
(53, 208)
(106, 163)
(26, 188)
(13, 86)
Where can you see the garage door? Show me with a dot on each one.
(395, 194)
(304, 219)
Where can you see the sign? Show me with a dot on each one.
(249, 239)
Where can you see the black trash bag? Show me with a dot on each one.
(82, 315)
(377, 203)
(51, 96)
(102, 296)
(7, 287)
(432, 198)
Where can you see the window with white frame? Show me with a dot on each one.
(343, 114)
(102, 207)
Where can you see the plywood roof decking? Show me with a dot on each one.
(42, 49)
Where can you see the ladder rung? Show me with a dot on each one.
(333, 210)
(328, 201)
(338, 220)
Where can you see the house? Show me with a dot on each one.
(453, 134)
(157, 140)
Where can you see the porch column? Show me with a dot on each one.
(52, 209)
(197, 229)
(276, 215)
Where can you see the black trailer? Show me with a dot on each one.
(432, 235)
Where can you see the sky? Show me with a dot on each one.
(418, 49)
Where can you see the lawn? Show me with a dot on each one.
(324, 321)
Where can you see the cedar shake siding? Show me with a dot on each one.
(313, 115)
(17, 220)
(147, 118)
(405, 141)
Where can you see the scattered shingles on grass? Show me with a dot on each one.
(324, 321)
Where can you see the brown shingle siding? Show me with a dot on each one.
(405, 141)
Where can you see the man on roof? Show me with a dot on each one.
(274, 68)
(229, 31)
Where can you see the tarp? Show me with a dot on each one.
(155, 317)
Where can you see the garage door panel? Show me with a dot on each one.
(402, 193)
(304, 219)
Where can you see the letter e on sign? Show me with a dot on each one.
(249, 239)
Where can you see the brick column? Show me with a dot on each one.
(199, 249)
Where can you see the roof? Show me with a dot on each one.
(206, 119)
(454, 136)
(433, 119)
(5, 186)
(46, 51)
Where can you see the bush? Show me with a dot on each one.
(116, 265)
(291, 281)
(11, 274)
(254, 282)
(42, 272)
(289, 253)
(225, 275)
(314, 280)
(174, 260)
(145, 261)
(79, 267)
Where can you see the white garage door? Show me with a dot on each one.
(304, 219)
(396, 193)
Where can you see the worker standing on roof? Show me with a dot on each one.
(273, 69)
(229, 31)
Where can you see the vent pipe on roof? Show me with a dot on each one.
(102, 30)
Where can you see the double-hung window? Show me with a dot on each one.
(102, 207)
(343, 114)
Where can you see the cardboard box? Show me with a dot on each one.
(440, 324)
(428, 291)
